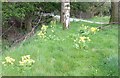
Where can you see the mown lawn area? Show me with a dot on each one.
(58, 56)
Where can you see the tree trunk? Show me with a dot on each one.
(114, 13)
(65, 13)
(119, 12)
(61, 13)
(28, 23)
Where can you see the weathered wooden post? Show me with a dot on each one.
(65, 13)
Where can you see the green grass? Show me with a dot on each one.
(101, 19)
(60, 58)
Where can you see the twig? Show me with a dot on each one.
(7, 30)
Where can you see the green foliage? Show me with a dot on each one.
(82, 6)
(21, 9)
(96, 8)
(49, 6)
(17, 9)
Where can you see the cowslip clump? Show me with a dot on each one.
(81, 42)
(86, 30)
(94, 30)
(8, 61)
(43, 31)
(52, 24)
(82, 39)
(26, 61)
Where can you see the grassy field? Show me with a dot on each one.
(57, 56)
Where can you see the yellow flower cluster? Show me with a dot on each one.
(8, 60)
(26, 61)
(85, 27)
(86, 30)
(53, 23)
(84, 39)
(44, 28)
(42, 33)
(81, 41)
(52, 31)
(94, 29)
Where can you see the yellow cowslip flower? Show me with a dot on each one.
(53, 22)
(26, 61)
(77, 46)
(82, 39)
(21, 63)
(9, 60)
(40, 33)
(4, 63)
(44, 33)
(93, 29)
(88, 38)
(43, 37)
(51, 26)
(98, 29)
(86, 27)
(44, 28)
(83, 25)
(52, 30)
(26, 57)
(31, 61)
(75, 40)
